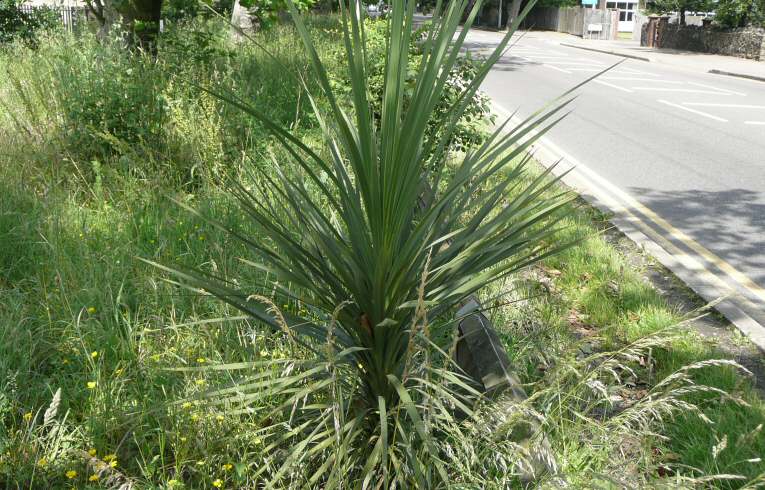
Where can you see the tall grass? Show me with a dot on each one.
(78, 313)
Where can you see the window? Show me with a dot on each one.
(610, 5)
(622, 15)
(622, 5)
(629, 16)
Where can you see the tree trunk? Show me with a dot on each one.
(241, 22)
(681, 15)
(142, 20)
(515, 9)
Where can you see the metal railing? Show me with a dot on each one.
(70, 17)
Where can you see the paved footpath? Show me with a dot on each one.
(677, 153)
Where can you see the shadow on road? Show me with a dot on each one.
(708, 217)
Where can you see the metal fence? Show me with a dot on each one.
(70, 17)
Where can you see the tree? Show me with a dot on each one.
(680, 6)
(739, 13)
(141, 18)
(378, 235)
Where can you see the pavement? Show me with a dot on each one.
(675, 153)
(682, 60)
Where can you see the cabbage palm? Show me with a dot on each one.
(384, 224)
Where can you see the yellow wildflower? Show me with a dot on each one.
(94, 477)
(91, 309)
(113, 463)
(218, 483)
(228, 467)
(172, 483)
(110, 457)
(28, 416)
(92, 451)
(71, 474)
(91, 385)
(194, 418)
(42, 462)
(65, 361)
(118, 371)
(201, 382)
(94, 354)
(219, 418)
(186, 405)
(201, 360)
(183, 439)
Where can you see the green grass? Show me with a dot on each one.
(598, 282)
(77, 307)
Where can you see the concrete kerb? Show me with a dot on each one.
(606, 51)
(737, 75)
(547, 154)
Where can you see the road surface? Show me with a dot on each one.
(688, 149)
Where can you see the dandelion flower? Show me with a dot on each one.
(113, 463)
(28, 416)
(91, 309)
(228, 467)
(201, 360)
(219, 418)
(91, 385)
(42, 462)
(218, 483)
(71, 474)
(94, 477)
(110, 457)
(94, 354)
(92, 451)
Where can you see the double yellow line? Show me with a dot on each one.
(628, 209)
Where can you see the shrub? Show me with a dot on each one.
(469, 129)
(106, 95)
(17, 24)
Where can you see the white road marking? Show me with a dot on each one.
(556, 68)
(586, 69)
(755, 123)
(575, 63)
(694, 111)
(632, 71)
(637, 79)
(734, 106)
(716, 88)
(601, 82)
(556, 57)
(684, 90)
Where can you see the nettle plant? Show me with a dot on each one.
(378, 235)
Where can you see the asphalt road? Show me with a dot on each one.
(688, 146)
